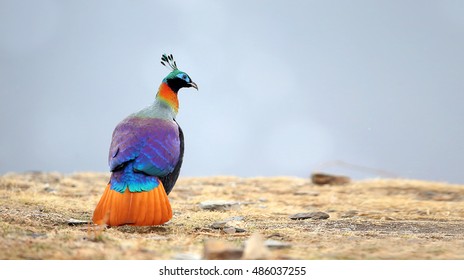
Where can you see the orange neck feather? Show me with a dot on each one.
(166, 94)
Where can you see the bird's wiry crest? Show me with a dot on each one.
(169, 60)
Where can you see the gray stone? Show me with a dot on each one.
(75, 222)
(219, 225)
(229, 225)
(219, 205)
(310, 215)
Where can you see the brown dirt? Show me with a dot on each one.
(371, 219)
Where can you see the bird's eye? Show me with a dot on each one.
(184, 77)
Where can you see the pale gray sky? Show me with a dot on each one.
(285, 86)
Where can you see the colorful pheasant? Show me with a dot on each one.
(145, 158)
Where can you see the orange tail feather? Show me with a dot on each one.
(133, 208)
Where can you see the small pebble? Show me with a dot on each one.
(219, 225)
(309, 193)
(219, 205)
(75, 222)
(276, 244)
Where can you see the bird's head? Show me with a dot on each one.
(176, 79)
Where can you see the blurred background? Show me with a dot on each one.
(360, 88)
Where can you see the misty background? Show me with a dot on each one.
(360, 88)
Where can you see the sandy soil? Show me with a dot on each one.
(371, 219)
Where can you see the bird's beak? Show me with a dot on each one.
(192, 84)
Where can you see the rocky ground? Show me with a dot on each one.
(46, 216)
